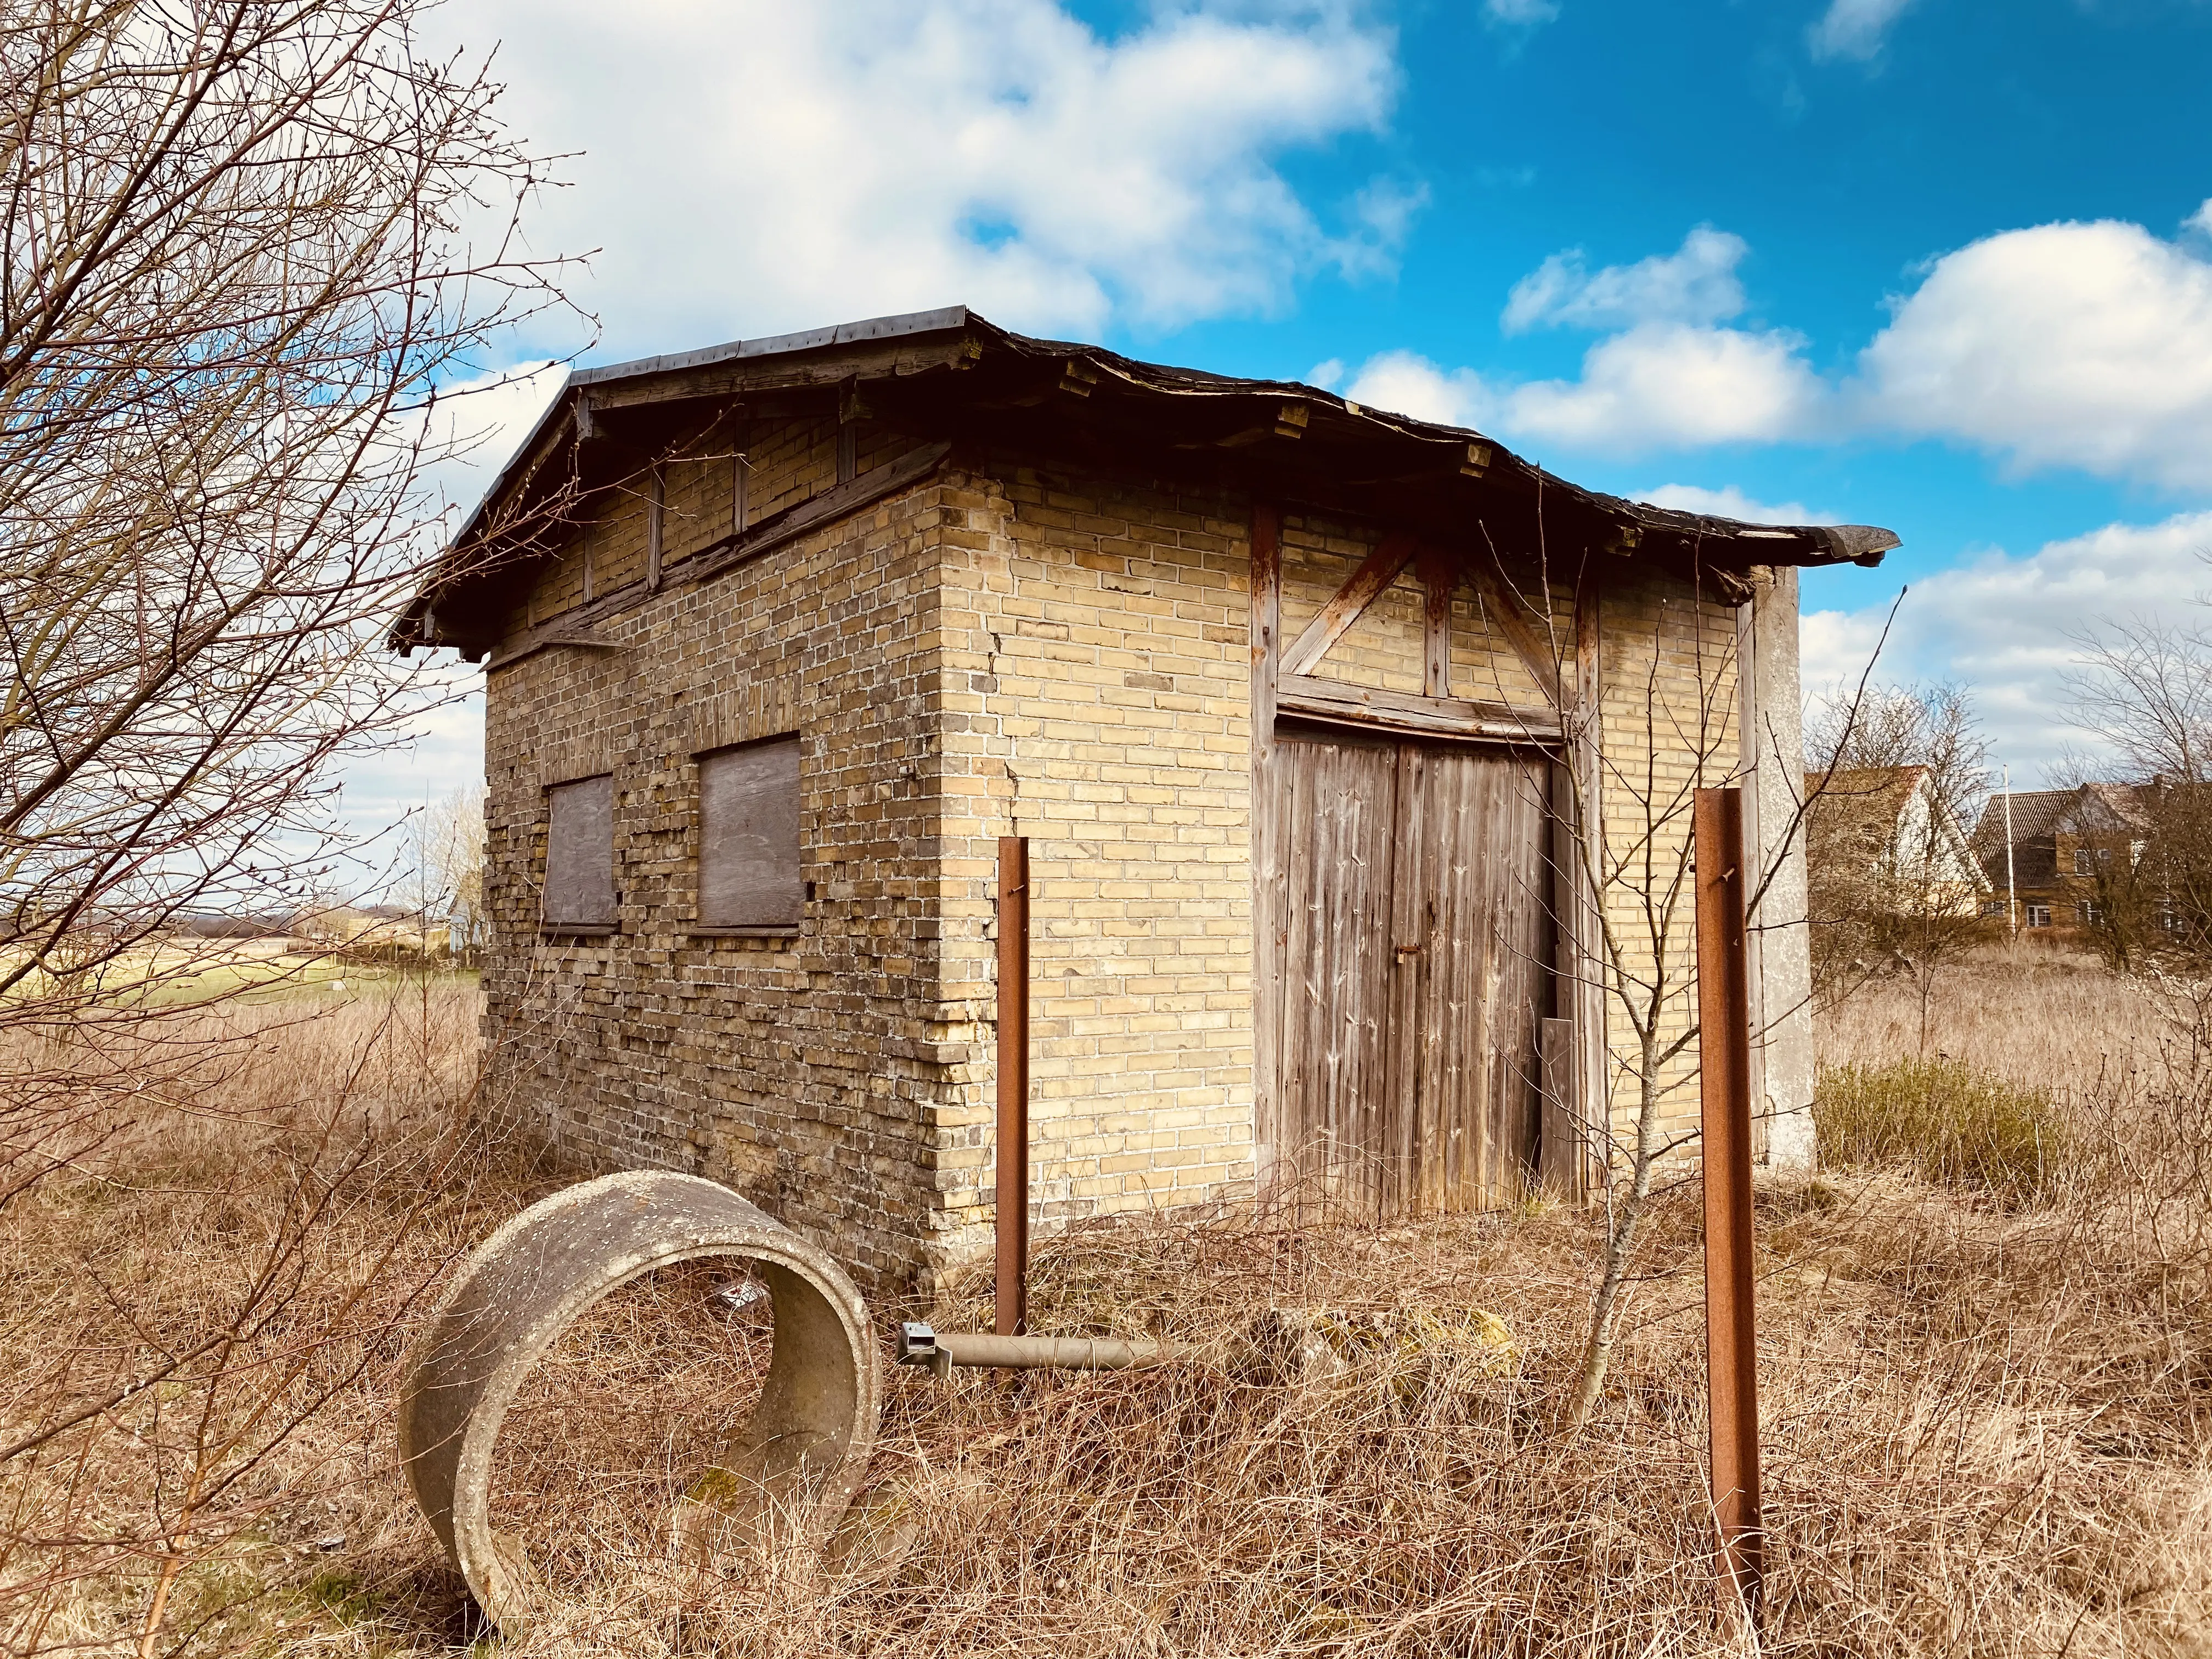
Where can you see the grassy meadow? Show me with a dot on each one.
(1986, 1370)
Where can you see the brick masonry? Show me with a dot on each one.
(1000, 648)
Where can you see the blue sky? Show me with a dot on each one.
(1943, 265)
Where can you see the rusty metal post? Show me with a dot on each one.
(1724, 1062)
(1011, 1310)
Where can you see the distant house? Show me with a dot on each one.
(1890, 825)
(208, 924)
(2066, 846)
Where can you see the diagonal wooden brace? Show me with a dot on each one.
(1523, 631)
(1333, 620)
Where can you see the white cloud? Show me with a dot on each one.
(2078, 345)
(1695, 284)
(1666, 386)
(2083, 346)
(1405, 383)
(1730, 502)
(1656, 386)
(1520, 14)
(1855, 29)
(754, 166)
(1328, 374)
(1670, 378)
(2001, 624)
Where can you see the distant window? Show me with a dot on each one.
(2039, 915)
(579, 855)
(2088, 913)
(749, 868)
(1993, 907)
(2082, 865)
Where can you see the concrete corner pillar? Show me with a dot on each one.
(1773, 758)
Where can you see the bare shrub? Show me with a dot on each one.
(201, 1318)
(1956, 1125)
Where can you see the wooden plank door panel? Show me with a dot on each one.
(1337, 830)
(1408, 962)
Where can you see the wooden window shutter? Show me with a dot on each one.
(749, 868)
(580, 853)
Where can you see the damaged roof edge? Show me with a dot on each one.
(1862, 544)
(944, 319)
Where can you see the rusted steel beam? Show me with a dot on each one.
(1011, 1309)
(1724, 1095)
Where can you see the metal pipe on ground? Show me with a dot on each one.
(922, 1344)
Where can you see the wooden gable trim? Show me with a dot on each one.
(716, 558)
(1436, 583)
(837, 503)
(1516, 621)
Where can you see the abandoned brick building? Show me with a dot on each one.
(1302, 706)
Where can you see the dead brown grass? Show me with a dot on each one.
(2033, 1016)
(1988, 1427)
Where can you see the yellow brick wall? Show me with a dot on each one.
(1669, 707)
(806, 1072)
(1001, 648)
(1097, 701)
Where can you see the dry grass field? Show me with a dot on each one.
(1987, 1378)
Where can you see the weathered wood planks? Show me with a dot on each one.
(1414, 960)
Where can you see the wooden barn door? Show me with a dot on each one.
(1405, 947)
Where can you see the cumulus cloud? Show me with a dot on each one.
(1855, 29)
(2080, 345)
(2083, 346)
(1656, 386)
(1697, 283)
(1405, 383)
(754, 166)
(1670, 377)
(1667, 386)
(2002, 625)
(1730, 502)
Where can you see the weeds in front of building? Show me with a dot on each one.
(1983, 1425)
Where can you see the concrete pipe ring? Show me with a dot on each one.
(790, 1471)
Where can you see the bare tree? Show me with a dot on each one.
(1895, 886)
(237, 266)
(2144, 686)
(1671, 729)
(445, 883)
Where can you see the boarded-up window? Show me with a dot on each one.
(748, 872)
(579, 855)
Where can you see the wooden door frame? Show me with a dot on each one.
(1576, 1134)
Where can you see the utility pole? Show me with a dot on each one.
(2012, 891)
